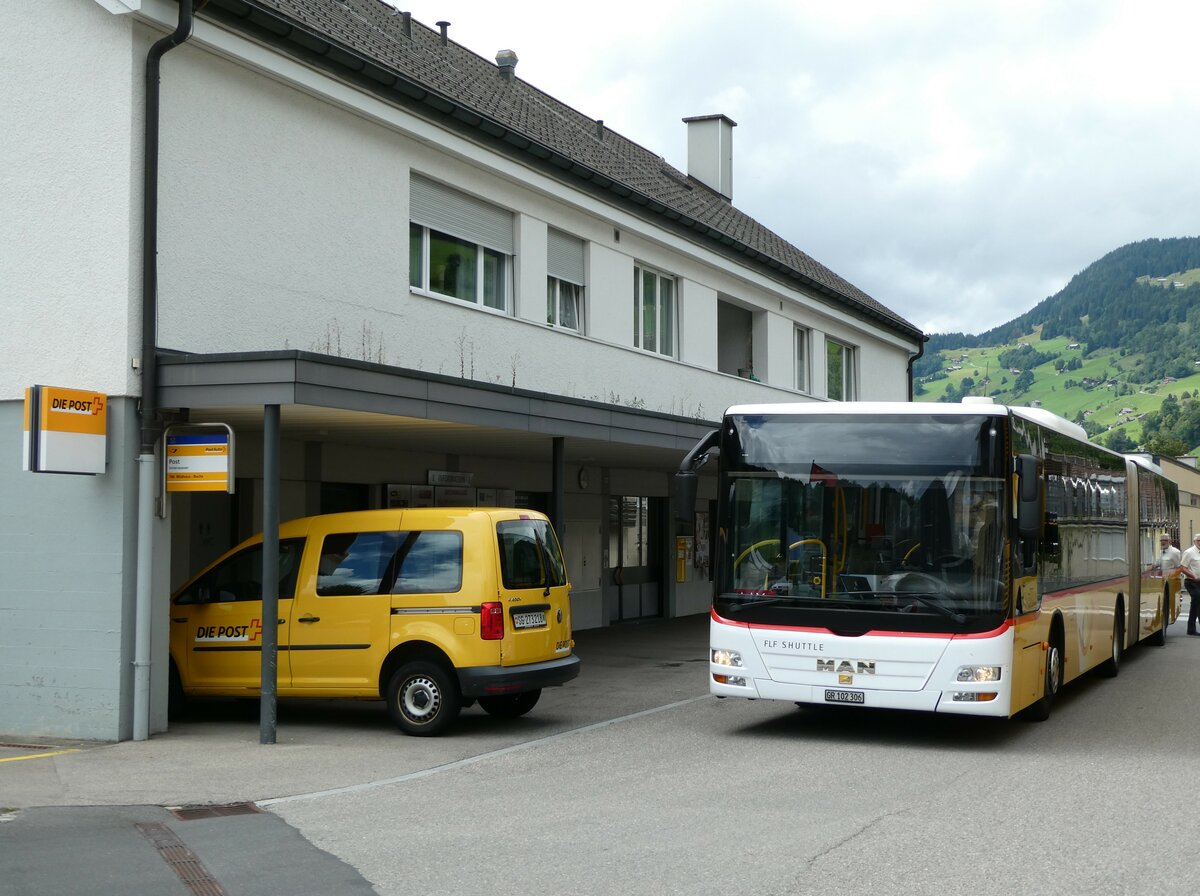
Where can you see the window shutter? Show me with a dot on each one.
(438, 207)
(564, 257)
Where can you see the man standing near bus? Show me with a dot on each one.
(1190, 567)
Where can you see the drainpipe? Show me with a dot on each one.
(149, 405)
(913, 359)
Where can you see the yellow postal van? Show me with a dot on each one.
(429, 609)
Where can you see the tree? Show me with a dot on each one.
(1119, 441)
(1167, 446)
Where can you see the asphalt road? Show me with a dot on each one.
(721, 797)
(633, 780)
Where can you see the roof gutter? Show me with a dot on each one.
(149, 404)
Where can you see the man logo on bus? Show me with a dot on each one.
(860, 667)
(227, 634)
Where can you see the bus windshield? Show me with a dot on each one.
(855, 524)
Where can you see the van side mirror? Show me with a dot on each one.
(1029, 498)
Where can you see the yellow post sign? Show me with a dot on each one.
(66, 430)
(198, 463)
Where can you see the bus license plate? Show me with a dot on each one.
(535, 619)
(844, 696)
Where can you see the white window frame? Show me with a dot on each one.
(800, 355)
(847, 388)
(559, 295)
(565, 280)
(666, 320)
(441, 214)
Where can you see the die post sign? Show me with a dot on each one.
(66, 431)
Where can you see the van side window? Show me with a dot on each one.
(529, 554)
(390, 563)
(429, 563)
(240, 577)
(356, 563)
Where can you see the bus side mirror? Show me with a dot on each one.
(1029, 504)
(685, 495)
(684, 491)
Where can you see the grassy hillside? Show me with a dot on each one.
(1099, 392)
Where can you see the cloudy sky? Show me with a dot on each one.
(959, 160)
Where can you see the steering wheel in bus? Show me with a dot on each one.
(908, 554)
(755, 549)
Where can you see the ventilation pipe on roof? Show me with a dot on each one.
(144, 588)
(710, 152)
(600, 129)
(507, 62)
(406, 23)
(445, 27)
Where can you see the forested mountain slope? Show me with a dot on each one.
(1119, 340)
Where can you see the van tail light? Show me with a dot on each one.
(491, 621)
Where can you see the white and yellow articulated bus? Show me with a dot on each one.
(966, 558)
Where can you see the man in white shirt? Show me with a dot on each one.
(1189, 565)
(1169, 559)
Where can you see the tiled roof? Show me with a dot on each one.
(373, 42)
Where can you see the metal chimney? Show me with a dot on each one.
(507, 62)
(444, 26)
(710, 151)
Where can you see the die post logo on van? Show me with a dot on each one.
(230, 634)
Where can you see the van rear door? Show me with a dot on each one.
(535, 593)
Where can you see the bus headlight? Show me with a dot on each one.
(978, 673)
(721, 657)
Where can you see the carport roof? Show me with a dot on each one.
(324, 398)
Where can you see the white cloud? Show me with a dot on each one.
(957, 161)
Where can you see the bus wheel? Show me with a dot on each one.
(422, 699)
(1159, 638)
(1040, 711)
(1112, 666)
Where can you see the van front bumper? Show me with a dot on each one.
(491, 681)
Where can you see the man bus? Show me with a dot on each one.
(966, 558)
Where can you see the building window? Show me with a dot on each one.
(654, 317)
(841, 383)
(564, 281)
(459, 246)
(563, 301)
(801, 359)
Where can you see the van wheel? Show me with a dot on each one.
(423, 699)
(176, 699)
(510, 706)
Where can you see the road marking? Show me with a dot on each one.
(471, 760)
(39, 755)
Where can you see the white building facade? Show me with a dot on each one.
(447, 285)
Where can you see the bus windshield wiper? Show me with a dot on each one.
(925, 600)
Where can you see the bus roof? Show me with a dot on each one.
(975, 406)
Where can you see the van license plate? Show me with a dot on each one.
(844, 696)
(534, 619)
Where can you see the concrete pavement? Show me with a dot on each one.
(188, 811)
